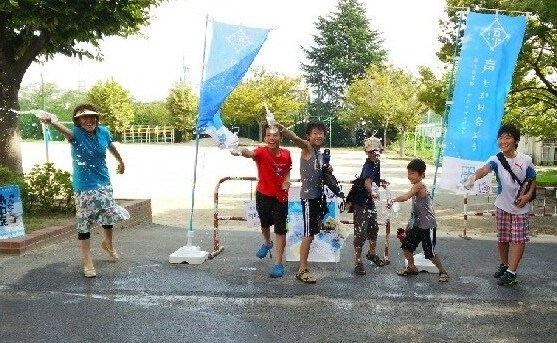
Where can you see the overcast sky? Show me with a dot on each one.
(171, 47)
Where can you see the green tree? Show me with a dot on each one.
(342, 50)
(532, 101)
(30, 29)
(182, 104)
(114, 103)
(285, 97)
(433, 90)
(50, 98)
(151, 113)
(384, 96)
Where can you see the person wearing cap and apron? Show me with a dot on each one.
(365, 212)
(93, 193)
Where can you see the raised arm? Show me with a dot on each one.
(67, 133)
(299, 142)
(121, 167)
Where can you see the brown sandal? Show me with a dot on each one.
(305, 276)
(443, 277)
(359, 269)
(375, 259)
(407, 272)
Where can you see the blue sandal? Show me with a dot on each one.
(263, 250)
(277, 271)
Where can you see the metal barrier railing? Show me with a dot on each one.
(218, 248)
(544, 209)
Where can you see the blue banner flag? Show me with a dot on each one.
(490, 48)
(233, 49)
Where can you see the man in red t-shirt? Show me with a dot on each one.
(271, 198)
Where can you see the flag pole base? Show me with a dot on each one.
(188, 254)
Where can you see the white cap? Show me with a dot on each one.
(85, 113)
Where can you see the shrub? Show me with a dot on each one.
(10, 177)
(48, 189)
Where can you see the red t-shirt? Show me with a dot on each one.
(271, 171)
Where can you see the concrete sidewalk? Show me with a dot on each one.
(143, 298)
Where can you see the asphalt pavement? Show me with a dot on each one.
(144, 298)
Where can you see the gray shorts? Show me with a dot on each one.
(97, 207)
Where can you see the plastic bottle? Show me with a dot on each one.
(326, 158)
(270, 120)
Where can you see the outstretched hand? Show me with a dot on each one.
(46, 120)
(120, 168)
(469, 184)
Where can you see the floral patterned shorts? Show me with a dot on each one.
(97, 207)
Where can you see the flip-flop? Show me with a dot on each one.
(305, 276)
(407, 272)
(376, 260)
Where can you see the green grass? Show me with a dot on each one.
(547, 178)
(37, 221)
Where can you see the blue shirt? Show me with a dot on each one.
(89, 159)
(370, 170)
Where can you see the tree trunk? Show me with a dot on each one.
(10, 149)
(353, 136)
(385, 133)
(402, 143)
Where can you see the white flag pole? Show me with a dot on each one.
(189, 253)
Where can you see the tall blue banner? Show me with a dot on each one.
(490, 48)
(233, 49)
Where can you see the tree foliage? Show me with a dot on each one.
(385, 97)
(532, 102)
(285, 97)
(151, 113)
(342, 50)
(114, 103)
(433, 90)
(52, 99)
(182, 105)
(30, 29)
